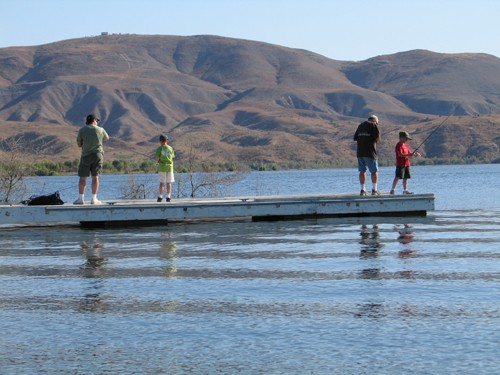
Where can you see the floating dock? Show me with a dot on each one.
(149, 212)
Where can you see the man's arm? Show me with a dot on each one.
(376, 134)
(79, 140)
(106, 136)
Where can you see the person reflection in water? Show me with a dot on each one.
(370, 246)
(370, 241)
(406, 238)
(93, 254)
(168, 250)
(92, 300)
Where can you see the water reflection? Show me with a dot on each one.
(370, 246)
(370, 310)
(370, 273)
(168, 248)
(93, 301)
(370, 241)
(92, 252)
(405, 238)
(252, 296)
(168, 252)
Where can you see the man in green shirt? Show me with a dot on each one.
(90, 139)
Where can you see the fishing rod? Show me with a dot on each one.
(437, 127)
(150, 156)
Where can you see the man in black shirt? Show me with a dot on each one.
(367, 135)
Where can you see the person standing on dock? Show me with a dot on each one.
(367, 135)
(403, 154)
(90, 138)
(165, 157)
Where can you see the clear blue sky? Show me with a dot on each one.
(338, 29)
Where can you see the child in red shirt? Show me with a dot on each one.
(403, 154)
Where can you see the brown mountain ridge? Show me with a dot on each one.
(228, 100)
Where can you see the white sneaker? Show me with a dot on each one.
(79, 201)
(95, 201)
(407, 192)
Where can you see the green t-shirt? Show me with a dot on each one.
(90, 137)
(165, 155)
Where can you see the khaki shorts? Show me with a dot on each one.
(166, 177)
(90, 165)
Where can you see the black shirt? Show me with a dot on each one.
(367, 135)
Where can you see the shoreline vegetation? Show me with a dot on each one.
(50, 168)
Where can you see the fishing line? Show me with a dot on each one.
(437, 127)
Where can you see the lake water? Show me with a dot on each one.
(329, 296)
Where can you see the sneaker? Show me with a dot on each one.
(79, 201)
(95, 201)
(375, 192)
(407, 192)
(363, 192)
(159, 199)
(168, 199)
(392, 192)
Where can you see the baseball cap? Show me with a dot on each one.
(91, 118)
(404, 134)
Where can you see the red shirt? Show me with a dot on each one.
(402, 161)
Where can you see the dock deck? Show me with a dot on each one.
(149, 212)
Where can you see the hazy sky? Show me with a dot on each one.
(339, 29)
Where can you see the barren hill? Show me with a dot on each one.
(222, 99)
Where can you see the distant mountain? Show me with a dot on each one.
(433, 83)
(225, 100)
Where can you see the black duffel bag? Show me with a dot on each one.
(44, 200)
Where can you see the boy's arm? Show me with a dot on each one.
(411, 154)
(400, 154)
